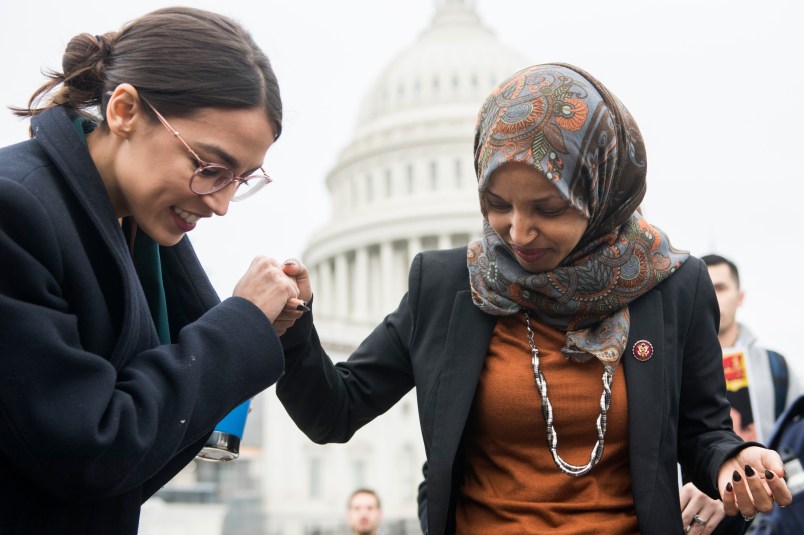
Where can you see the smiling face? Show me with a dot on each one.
(531, 217)
(147, 170)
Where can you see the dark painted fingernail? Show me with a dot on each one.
(302, 308)
(769, 474)
(749, 472)
(736, 476)
(729, 487)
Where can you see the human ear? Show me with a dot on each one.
(124, 110)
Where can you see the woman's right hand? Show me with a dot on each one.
(266, 285)
(295, 307)
(700, 514)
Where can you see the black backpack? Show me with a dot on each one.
(781, 380)
(788, 440)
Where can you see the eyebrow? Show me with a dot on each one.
(227, 158)
(548, 198)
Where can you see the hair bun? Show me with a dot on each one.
(83, 65)
(105, 44)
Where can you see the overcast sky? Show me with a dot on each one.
(715, 85)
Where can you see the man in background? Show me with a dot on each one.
(760, 385)
(363, 514)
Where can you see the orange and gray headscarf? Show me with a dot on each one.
(568, 126)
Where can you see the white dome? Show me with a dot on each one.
(455, 61)
(406, 181)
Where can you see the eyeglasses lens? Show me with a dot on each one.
(246, 189)
(211, 178)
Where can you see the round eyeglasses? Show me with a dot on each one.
(211, 177)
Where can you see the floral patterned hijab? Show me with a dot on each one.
(568, 126)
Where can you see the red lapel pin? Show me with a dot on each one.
(643, 350)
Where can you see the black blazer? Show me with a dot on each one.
(437, 341)
(95, 414)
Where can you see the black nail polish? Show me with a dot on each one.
(302, 308)
(769, 474)
(729, 487)
(736, 476)
(749, 472)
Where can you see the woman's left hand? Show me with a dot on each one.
(751, 481)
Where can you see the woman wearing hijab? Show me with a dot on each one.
(564, 363)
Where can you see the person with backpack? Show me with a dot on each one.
(760, 384)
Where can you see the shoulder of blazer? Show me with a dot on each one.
(23, 159)
(686, 276)
(442, 271)
(436, 279)
(683, 286)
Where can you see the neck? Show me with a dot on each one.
(101, 151)
(729, 337)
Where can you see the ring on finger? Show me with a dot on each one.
(748, 518)
(698, 520)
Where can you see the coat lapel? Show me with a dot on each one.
(465, 351)
(55, 134)
(646, 386)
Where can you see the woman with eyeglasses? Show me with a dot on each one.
(117, 356)
(565, 363)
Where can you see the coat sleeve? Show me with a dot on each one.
(330, 402)
(705, 438)
(71, 422)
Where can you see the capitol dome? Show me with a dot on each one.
(405, 183)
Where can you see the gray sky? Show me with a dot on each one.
(715, 86)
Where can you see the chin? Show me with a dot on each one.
(170, 242)
(537, 267)
(164, 239)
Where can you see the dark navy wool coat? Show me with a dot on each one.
(95, 414)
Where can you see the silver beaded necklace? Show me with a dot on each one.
(547, 411)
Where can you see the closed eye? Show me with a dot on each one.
(551, 212)
(497, 206)
(213, 171)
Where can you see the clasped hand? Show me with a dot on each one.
(279, 290)
(751, 481)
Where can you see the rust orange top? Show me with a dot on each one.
(511, 484)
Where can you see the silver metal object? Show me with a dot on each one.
(220, 447)
(547, 411)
